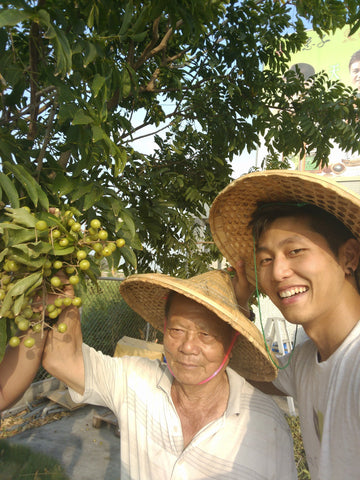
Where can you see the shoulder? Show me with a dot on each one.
(127, 365)
(246, 398)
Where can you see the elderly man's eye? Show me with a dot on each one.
(206, 337)
(176, 332)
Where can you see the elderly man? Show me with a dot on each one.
(305, 231)
(192, 416)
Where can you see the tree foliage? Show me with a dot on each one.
(81, 83)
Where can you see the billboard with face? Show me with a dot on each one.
(338, 55)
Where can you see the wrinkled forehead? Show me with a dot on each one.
(186, 310)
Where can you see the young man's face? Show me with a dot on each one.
(299, 272)
(355, 74)
(195, 341)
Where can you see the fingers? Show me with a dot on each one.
(242, 287)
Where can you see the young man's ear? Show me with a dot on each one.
(349, 255)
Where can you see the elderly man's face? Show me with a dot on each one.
(195, 340)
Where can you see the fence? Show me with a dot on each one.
(105, 318)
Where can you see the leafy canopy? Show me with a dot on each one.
(83, 82)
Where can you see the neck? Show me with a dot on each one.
(207, 393)
(330, 333)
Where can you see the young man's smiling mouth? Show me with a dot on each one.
(291, 292)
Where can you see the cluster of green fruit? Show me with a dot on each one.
(40, 254)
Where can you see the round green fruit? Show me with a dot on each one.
(54, 314)
(57, 264)
(27, 312)
(41, 225)
(70, 270)
(11, 266)
(76, 227)
(106, 251)
(14, 341)
(95, 223)
(67, 301)
(47, 264)
(29, 342)
(50, 308)
(74, 280)
(63, 242)
(62, 327)
(56, 234)
(81, 254)
(55, 281)
(58, 302)
(5, 279)
(23, 325)
(76, 301)
(103, 234)
(84, 265)
(120, 242)
(97, 247)
(36, 327)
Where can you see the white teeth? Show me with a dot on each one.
(292, 291)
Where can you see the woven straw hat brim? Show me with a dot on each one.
(147, 294)
(234, 206)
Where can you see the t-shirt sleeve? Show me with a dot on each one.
(103, 379)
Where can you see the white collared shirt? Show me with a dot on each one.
(251, 441)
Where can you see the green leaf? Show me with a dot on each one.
(19, 288)
(43, 199)
(9, 190)
(26, 180)
(3, 254)
(129, 255)
(97, 133)
(14, 234)
(97, 83)
(81, 118)
(62, 48)
(128, 223)
(57, 250)
(20, 216)
(127, 18)
(10, 18)
(90, 53)
(125, 83)
(18, 303)
(91, 198)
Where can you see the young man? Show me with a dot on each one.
(192, 417)
(305, 230)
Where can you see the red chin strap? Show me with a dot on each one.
(236, 334)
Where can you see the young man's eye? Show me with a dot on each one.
(264, 261)
(296, 251)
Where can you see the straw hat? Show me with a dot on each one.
(233, 208)
(147, 295)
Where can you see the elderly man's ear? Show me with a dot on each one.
(349, 256)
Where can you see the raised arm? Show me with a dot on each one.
(18, 369)
(62, 355)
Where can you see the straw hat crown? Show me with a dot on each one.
(147, 295)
